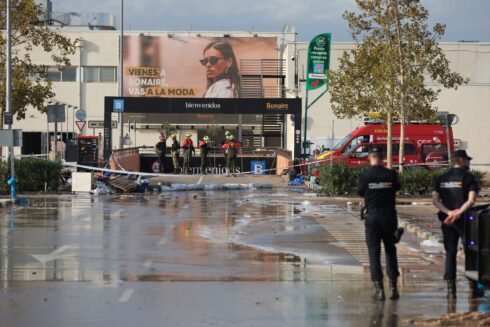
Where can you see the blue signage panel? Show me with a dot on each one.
(118, 105)
(257, 167)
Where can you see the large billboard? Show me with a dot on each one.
(173, 66)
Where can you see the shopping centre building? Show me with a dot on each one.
(264, 65)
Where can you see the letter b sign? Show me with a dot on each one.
(118, 105)
(257, 167)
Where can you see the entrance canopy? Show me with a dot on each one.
(156, 105)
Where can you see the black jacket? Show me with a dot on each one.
(378, 185)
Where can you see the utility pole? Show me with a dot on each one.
(121, 75)
(305, 145)
(8, 98)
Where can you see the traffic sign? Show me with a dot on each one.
(10, 137)
(56, 113)
(8, 118)
(100, 124)
(81, 114)
(80, 124)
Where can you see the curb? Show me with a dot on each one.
(423, 235)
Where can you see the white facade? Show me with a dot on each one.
(101, 49)
(470, 102)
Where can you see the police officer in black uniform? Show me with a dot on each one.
(454, 193)
(378, 186)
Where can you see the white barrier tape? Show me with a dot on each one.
(26, 156)
(124, 172)
(327, 160)
(137, 173)
(117, 162)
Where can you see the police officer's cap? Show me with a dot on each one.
(461, 154)
(375, 150)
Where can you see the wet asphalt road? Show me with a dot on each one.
(237, 258)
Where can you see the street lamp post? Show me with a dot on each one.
(8, 97)
(297, 85)
(121, 74)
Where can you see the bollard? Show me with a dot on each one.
(13, 190)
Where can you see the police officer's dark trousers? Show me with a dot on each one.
(381, 225)
(451, 235)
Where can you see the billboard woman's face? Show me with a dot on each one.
(216, 64)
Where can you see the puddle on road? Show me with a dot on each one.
(208, 235)
(195, 236)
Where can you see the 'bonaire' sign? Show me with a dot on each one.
(318, 61)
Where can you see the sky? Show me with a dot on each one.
(465, 19)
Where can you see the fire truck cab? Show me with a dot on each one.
(424, 144)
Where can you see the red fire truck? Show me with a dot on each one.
(425, 144)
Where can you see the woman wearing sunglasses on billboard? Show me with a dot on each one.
(221, 71)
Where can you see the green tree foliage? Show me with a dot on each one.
(396, 67)
(30, 85)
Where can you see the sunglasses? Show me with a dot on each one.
(213, 60)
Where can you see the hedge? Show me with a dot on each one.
(340, 179)
(32, 175)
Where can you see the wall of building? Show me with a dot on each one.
(470, 102)
(101, 48)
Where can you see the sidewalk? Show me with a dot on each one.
(348, 230)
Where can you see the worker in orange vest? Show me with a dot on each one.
(231, 154)
(188, 147)
(204, 147)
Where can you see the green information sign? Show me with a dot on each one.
(318, 61)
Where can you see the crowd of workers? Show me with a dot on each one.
(230, 146)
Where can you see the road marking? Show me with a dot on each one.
(148, 263)
(126, 295)
(162, 241)
(200, 180)
(55, 255)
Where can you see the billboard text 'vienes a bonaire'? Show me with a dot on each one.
(198, 67)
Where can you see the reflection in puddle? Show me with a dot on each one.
(205, 236)
(187, 236)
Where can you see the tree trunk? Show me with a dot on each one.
(389, 140)
(401, 152)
